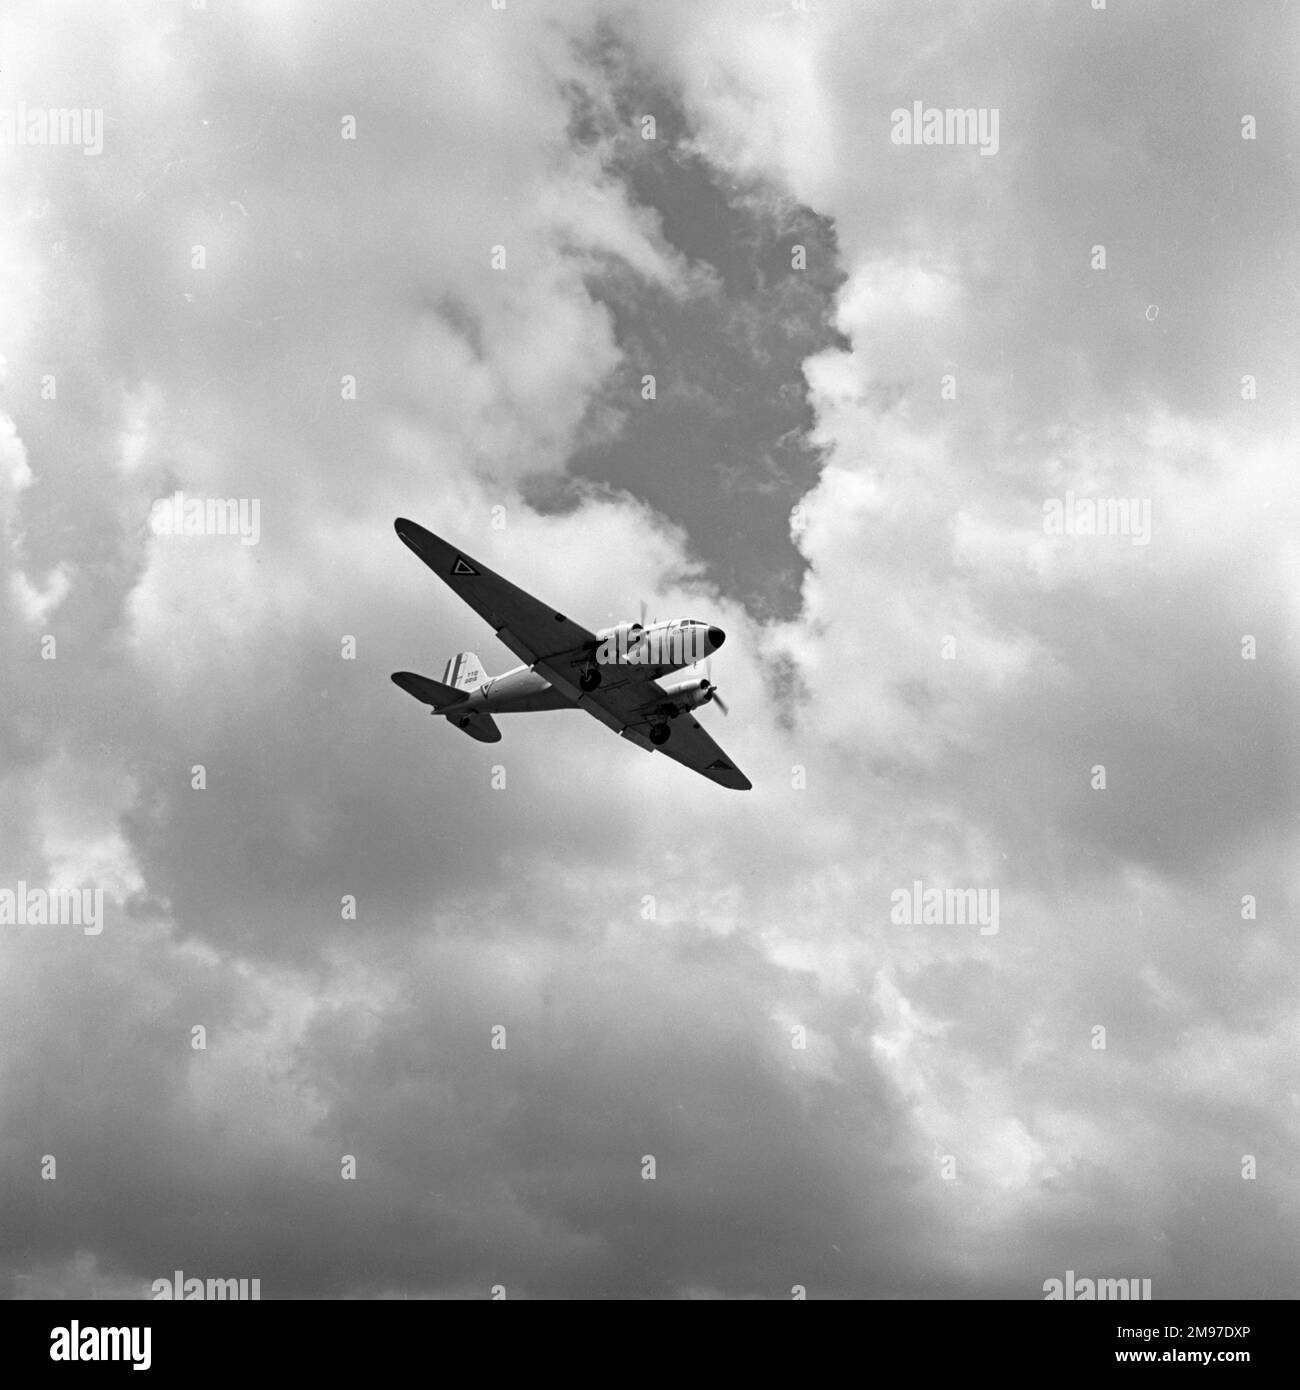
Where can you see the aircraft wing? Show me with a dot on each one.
(534, 632)
(625, 709)
(693, 748)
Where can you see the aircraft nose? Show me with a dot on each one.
(716, 637)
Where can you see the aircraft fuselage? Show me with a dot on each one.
(521, 690)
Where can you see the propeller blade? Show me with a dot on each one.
(717, 700)
(643, 612)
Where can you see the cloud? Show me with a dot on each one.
(831, 1099)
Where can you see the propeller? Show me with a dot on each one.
(714, 697)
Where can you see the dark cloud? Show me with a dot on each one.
(724, 449)
(656, 954)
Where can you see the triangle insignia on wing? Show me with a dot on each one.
(717, 765)
(463, 566)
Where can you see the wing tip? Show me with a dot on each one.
(410, 530)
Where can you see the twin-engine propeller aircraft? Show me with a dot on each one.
(611, 673)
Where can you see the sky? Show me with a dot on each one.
(553, 1018)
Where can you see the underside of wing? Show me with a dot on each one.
(633, 707)
(535, 633)
(693, 748)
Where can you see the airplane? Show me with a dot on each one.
(611, 673)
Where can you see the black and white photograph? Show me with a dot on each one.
(649, 654)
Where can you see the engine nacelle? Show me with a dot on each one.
(690, 694)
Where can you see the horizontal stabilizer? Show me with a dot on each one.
(430, 691)
(480, 726)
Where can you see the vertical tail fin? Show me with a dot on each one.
(464, 672)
